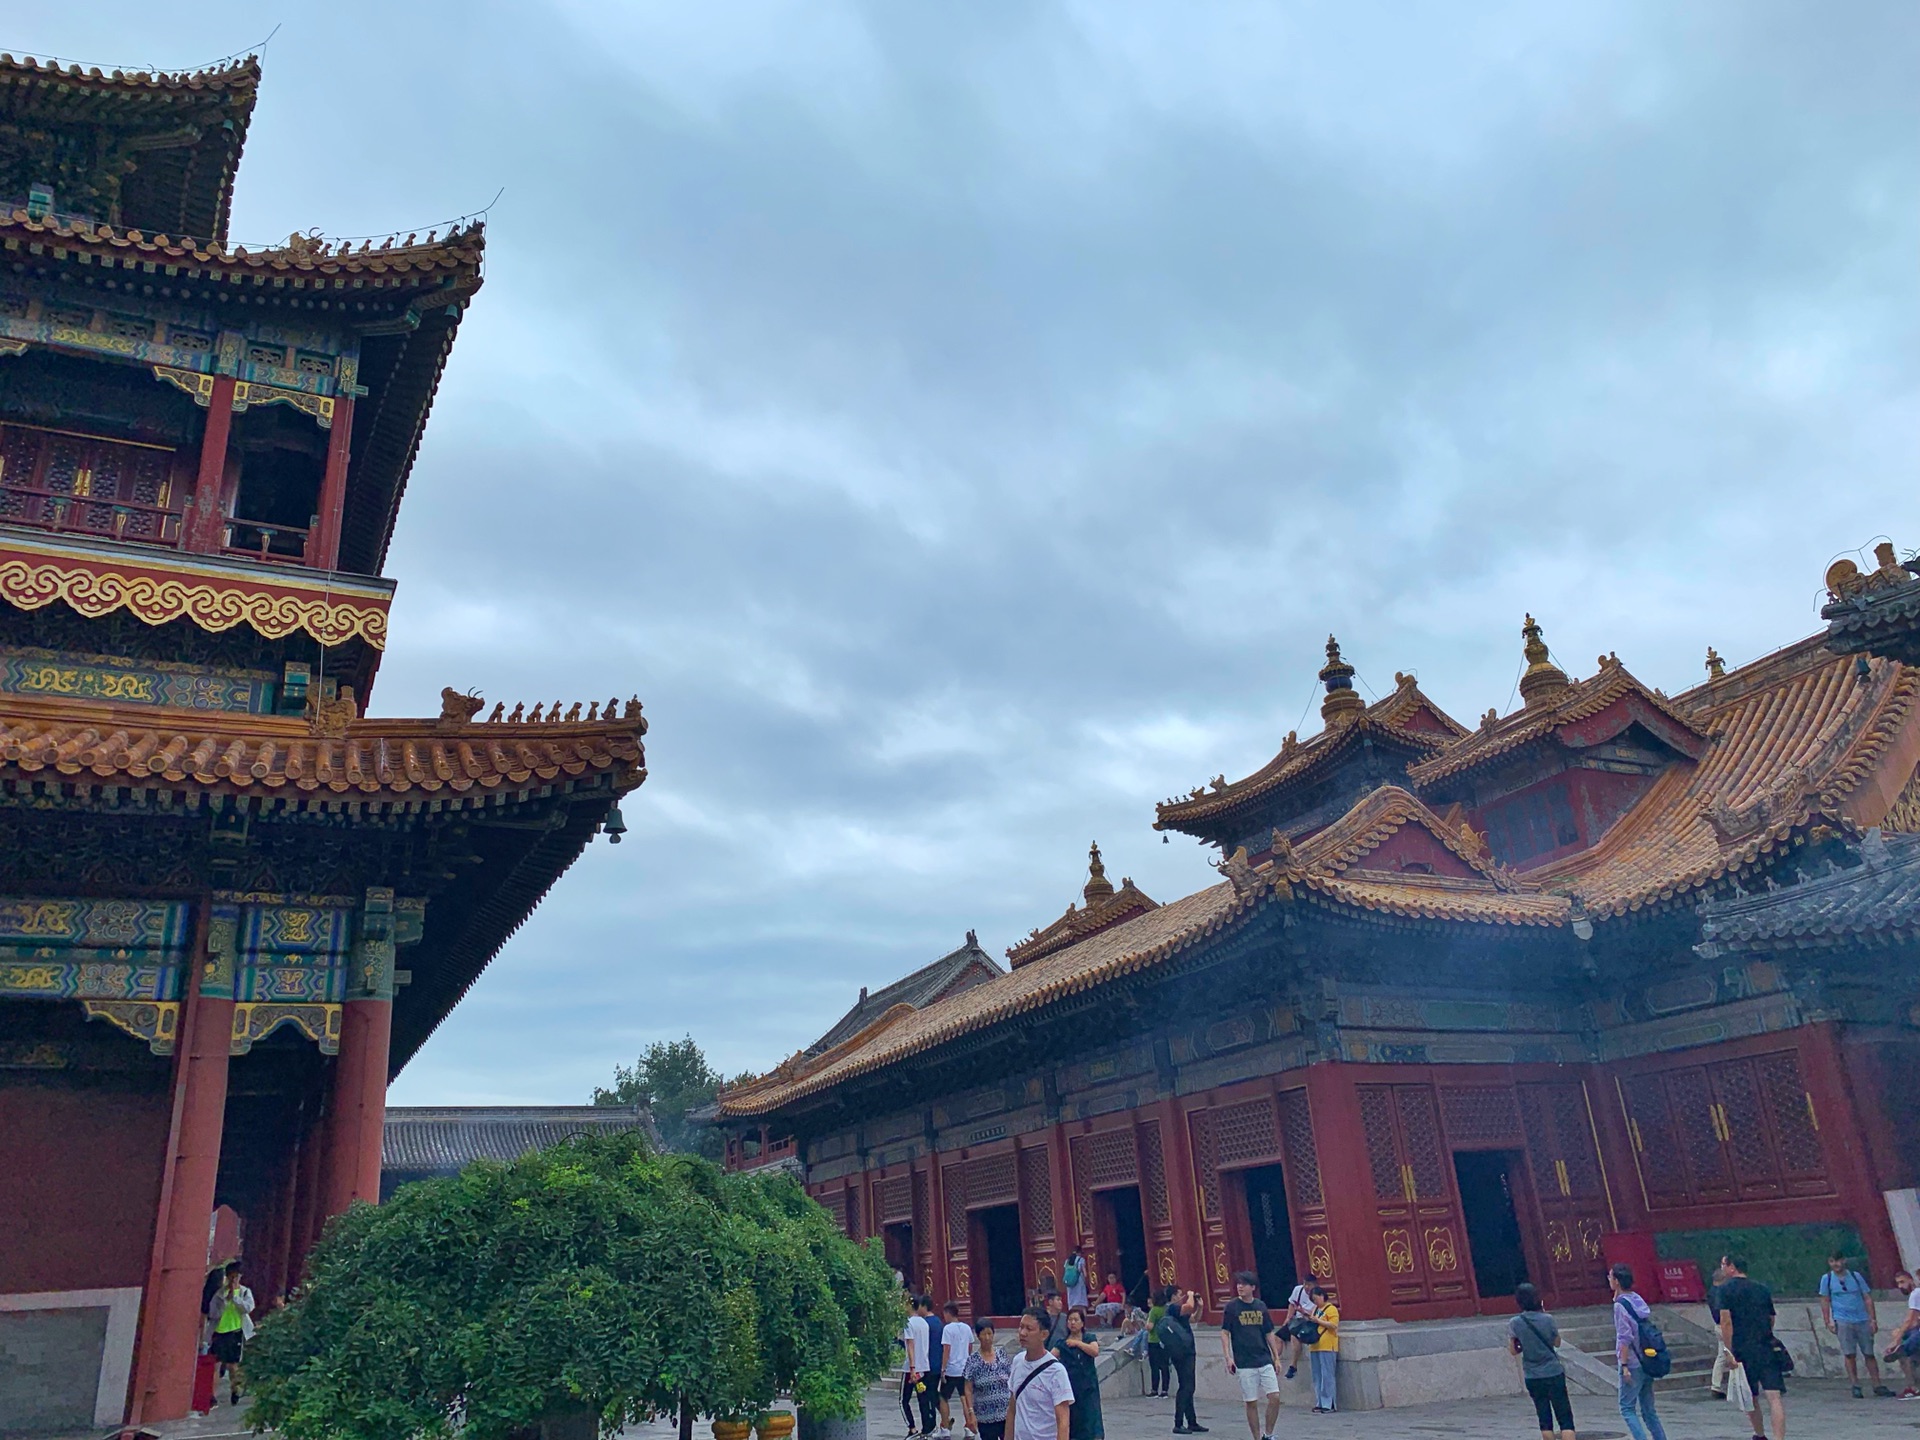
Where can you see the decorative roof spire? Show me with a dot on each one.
(1342, 703)
(1716, 667)
(1544, 680)
(1098, 886)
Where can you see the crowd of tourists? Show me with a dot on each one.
(1046, 1387)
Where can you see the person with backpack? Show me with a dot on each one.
(1535, 1339)
(1746, 1325)
(1846, 1305)
(1041, 1403)
(1074, 1275)
(1324, 1352)
(1176, 1336)
(1642, 1353)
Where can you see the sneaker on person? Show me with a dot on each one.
(1883, 1392)
(1292, 1370)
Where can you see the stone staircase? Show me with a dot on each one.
(1590, 1331)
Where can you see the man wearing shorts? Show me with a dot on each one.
(1844, 1304)
(957, 1340)
(1247, 1334)
(1746, 1328)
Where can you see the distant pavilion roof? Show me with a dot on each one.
(919, 989)
(442, 1139)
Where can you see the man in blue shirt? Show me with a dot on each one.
(1847, 1307)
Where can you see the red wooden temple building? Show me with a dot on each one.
(1470, 1003)
(232, 903)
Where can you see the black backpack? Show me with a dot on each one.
(1655, 1359)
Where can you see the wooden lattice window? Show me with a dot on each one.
(1247, 1131)
(1794, 1121)
(1420, 1128)
(1153, 1178)
(1205, 1163)
(1303, 1162)
(991, 1181)
(1036, 1191)
(1383, 1152)
(893, 1200)
(1111, 1159)
(1480, 1115)
(953, 1184)
(1656, 1143)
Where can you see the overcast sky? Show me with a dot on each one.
(962, 424)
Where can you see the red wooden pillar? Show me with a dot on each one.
(170, 1310)
(1066, 1209)
(1842, 1129)
(309, 1207)
(1626, 1204)
(357, 1115)
(323, 544)
(209, 516)
(1176, 1148)
(1359, 1259)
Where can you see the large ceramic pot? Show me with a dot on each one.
(813, 1428)
(731, 1430)
(774, 1425)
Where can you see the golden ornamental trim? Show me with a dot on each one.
(199, 384)
(255, 1020)
(157, 601)
(155, 1021)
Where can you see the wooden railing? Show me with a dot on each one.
(258, 540)
(81, 484)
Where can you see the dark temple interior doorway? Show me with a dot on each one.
(1120, 1232)
(994, 1262)
(1493, 1220)
(897, 1238)
(1270, 1232)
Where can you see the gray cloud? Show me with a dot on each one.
(964, 424)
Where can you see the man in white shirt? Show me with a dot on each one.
(957, 1340)
(1903, 1282)
(1042, 1394)
(917, 1339)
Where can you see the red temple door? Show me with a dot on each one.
(1418, 1214)
(1568, 1188)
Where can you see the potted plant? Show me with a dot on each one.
(773, 1424)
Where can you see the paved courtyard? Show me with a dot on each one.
(1817, 1410)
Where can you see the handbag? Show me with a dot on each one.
(1782, 1357)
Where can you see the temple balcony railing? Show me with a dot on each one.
(259, 540)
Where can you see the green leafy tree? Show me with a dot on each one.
(670, 1078)
(594, 1277)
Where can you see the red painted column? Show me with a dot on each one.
(1066, 1213)
(208, 516)
(309, 1209)
(1843, 1132)
(170, 1309)
(1176, 1149)
(358, 1112)
(323, 544)
(1359, 1261)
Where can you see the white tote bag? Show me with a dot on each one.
(1739, 1392)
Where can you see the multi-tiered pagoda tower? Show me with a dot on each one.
(231, 904)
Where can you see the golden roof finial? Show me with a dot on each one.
(1098, 886)
(1716, 667)
(1543, 679)
(1342, 703)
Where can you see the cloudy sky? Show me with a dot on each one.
(963, 423)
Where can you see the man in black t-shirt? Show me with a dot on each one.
(1246, 1334)
(1746, 1328)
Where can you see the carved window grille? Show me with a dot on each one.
(1696, 1120)
(1296, 1133)
(837, 1208)
(852, 1225)
(1656, 1144)
(1153, 1179)
(953, 1181)
(1111, 1159)
(1383, 1152)
(991, 1181)
(72, 484)
(1247, 1132)
(1420, 1128)
(1205, 1165)
(893, 1200)
(1480, 1115)
(922, 1229)
(1576, 1142)
(1036, 1191)
(1794, 1120)
(1079, 1165)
